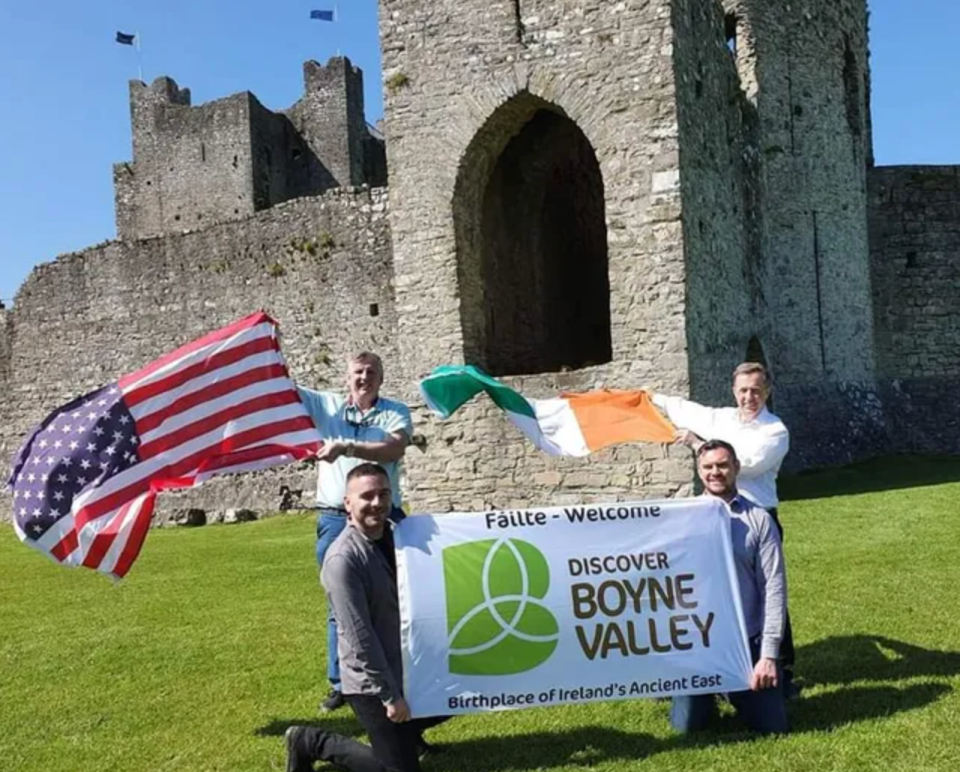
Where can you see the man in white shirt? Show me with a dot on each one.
(760, 439)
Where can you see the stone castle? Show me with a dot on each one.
(582, 193)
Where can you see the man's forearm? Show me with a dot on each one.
(686, 414)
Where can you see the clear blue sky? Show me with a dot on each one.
(65, 116)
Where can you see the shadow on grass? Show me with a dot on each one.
(879, 474)
(848, 705)
(347, 725)
(838, 661)
(848, 658)
(587, 746)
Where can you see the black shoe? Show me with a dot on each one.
(333, 702)
(427, 749)
(791, 689)
(298, 760)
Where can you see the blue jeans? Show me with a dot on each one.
(329, 525)
(764, 711)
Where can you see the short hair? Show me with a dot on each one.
(368, 469)
(709, 445)
(367, 356)
(749, 368)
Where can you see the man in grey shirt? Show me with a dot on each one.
(360, 578)
(763, 595)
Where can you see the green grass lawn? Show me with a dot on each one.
(215, 643)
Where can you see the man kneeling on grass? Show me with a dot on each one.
(360, 579)
(763, 594)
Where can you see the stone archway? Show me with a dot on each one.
(532, 244)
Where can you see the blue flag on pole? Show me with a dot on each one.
(322, 15)
(124, 39)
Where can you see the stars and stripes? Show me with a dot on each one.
(85, 481)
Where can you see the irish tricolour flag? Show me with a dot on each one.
(568, 425)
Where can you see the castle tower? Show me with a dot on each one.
(635, 194)
(803, 68)
(192, 166)
(330, 118)
(226, 159)
(533, 155)
(535, 212)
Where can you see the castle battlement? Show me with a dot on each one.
(225, 159)
(162, 89)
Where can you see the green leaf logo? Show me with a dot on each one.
(495, 622)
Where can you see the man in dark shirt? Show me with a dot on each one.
(360, 578)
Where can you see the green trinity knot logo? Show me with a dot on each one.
(496, 624)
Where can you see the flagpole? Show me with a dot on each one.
(139, 57)
(336, 20)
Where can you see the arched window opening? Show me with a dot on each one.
(852, 97)
(532, 244)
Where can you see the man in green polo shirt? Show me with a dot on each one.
(359, 427)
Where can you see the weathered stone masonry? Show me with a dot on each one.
(89, 317)
(915, 260)
(582, 194)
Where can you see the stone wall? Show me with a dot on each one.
(6, 340)
(320, 266)
(915, 258)
(463, 80)
(284, 165)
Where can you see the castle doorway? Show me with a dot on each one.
(532, 244)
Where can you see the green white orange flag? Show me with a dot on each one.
(568, 425)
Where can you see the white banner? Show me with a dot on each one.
(525, 608)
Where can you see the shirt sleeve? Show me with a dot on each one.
(345, 590)
(320, 406)
(772, 579)
(400, 420)
(762, 453)
(685, 414)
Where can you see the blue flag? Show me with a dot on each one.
(322, 15)
(124, 39)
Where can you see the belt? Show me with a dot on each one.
(332, 510)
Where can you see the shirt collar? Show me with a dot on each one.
(352, 413)
(738, 504)
(761, 417)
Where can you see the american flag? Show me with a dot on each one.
(85, 481)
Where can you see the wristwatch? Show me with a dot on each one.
(349, 448)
